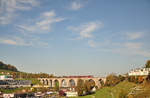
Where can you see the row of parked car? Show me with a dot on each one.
(15, 83)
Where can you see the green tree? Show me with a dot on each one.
(8, 67)
(112, 80)
(147, 65)
(122, 78)
(89, 85)
(80, 87)
(56, 88)
(101, 82)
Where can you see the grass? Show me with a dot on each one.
(144, 92)
(2, 70)
(117, 91)
(12, 90)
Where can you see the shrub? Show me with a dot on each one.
(80, 87)
(137, 79)
(112, 80)
(121, 78)
(140, 79)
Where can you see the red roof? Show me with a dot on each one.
(90, 76)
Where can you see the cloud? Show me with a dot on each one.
(123, 48)
(133, 45)
(14, 41)
(136, 48)
(22, 41)
(134, 35)
(27, 32)
(86, 30)
(42, 24)
(76, 6)
(8, 9)
(8, 41)
(128, 48)
(92, 43)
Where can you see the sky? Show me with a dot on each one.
(75, 37)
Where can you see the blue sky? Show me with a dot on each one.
(75, 37)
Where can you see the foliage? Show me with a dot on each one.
(118, 91)
(80, 87)
(89, 85)
(24, 75)
(41, 89)
(121, 78)
(140, 79)
(136, 79)
(148, 78)
(12, 90)
(144, 92)
(102, 83)
(8, 67)
(62, 93)
(147, 65)
(56, 88)
(112, 80)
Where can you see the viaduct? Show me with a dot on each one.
(70, 81)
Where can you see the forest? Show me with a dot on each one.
(8, 67)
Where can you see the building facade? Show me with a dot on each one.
(139, 72)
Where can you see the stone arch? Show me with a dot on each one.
(101, 82)
(63, 83)
(56, 83)
(72, 83)
(50, 83)
(46, 82)
(43, 81)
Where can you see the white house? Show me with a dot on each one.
(139, 72)
(6, 77)
(71, 94)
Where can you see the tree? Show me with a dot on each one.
(147, 65)
(8, 67)
(112, 80)
(140, 79)
(80, 87)
(101, 82)
(122, 78)
(56, 85)
(89, 85)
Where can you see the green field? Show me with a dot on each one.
(2, 70)
(117, 91)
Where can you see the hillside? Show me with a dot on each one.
(117, 91)
(7, 67)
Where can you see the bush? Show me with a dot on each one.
(121, 78)
(89, 85)
(148, 78)
(80, 87)
(112, 80)
(137, 79)
(62, 93)
(140, 79)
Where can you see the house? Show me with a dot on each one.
(139, 72)
(6, 77)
